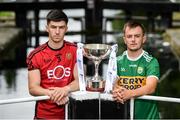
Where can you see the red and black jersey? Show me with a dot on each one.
(56, 69)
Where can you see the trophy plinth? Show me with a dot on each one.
(95, 84)
(96, 53)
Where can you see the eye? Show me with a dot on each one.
(128, 36)
(53, 27)
(62, 27)
(137, 36)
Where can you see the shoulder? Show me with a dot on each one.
(149, 58)
(71, 45)
(122, 56)
(34, 57)
(37, 50)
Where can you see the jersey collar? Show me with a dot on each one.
(134, 58)
(57, 48)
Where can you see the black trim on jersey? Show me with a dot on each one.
(53, 48)
(64, 43)
(70, 44)
(38, 49)
(35, 51)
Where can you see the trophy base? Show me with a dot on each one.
(95, 89)
(95, 86)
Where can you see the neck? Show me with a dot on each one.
(134, 54)
(55, 45)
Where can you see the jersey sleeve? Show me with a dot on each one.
(153, 68)
(32, 62)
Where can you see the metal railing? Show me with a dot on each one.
(30, 99)
(96, 96)
(149, 97)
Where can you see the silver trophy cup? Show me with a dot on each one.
(96, 53)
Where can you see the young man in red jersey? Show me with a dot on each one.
(52, 69)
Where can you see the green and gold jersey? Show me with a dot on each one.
(132, 75)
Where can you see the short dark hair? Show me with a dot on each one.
(56, 15)
(133, 24)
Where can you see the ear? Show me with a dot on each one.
(124, 40)
(144, 38)
(66, 28)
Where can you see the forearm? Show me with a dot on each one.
(145, 90)
(73, 86)
(38, 91)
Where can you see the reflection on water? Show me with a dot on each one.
(14, 84)
(10, 79)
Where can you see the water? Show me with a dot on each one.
(19, 89)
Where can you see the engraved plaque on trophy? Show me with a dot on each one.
(96, 53)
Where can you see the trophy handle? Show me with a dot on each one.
(106, 54)
(89, 56)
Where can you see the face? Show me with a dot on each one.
(56, 31)
(134, 38)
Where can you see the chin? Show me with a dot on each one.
(57, 40)
(134, 49)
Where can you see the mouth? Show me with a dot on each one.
(57, 37)
(133, 44)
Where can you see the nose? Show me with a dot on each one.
(133, 38)
(57, 30)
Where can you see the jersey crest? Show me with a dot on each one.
(140, 70)
(68, 56)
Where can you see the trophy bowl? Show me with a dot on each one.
(96, 53)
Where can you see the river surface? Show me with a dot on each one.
(18, 89)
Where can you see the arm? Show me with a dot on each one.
(149, 88)
(123, 94)
(74, 85)
(34, 79)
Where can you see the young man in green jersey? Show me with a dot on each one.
(138, 73)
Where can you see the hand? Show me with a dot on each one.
(117, 94)
(126, 94)
(63, 101)
(57, 93)
(122, 94)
